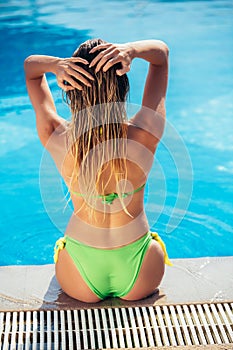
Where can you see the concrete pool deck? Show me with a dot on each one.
(200, 280)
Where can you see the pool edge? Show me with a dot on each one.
(188, 281)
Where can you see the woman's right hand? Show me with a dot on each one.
(111, 54)
(69, 74)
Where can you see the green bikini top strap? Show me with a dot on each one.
(135, 191)
(109, 198)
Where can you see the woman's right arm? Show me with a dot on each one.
(153, 51)
(156, 53)
(151, 117)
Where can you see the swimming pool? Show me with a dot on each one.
(199, 108)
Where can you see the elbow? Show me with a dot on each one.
(27, 62)
(165, 50)
(165, 55)
(161, 53)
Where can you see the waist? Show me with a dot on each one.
(110, 237)
(144, 238)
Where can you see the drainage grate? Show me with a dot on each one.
(133, 327)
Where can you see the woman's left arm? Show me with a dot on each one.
(65, 69)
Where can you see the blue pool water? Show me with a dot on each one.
(194, 163)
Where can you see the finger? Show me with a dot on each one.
(99, 56)
(78, 76)
(111, 62)
(123, 70)
(100, 47)
(77, 59)
(72, 82)
(65, 87)
(82, 71)
(68, 88)
(104, 59)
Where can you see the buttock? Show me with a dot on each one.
(108, 272)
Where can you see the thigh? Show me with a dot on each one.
(150, 275)
(71, 280)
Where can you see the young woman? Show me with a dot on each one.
(108, 249)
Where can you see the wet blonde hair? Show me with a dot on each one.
(97, 132)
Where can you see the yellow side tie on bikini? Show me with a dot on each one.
(59, 245)
(162, 244)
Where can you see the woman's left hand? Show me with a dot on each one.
(67, 71)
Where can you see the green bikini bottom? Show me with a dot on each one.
(109, 272)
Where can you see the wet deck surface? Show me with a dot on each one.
(188, 281)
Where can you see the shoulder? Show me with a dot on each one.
(146, 127)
